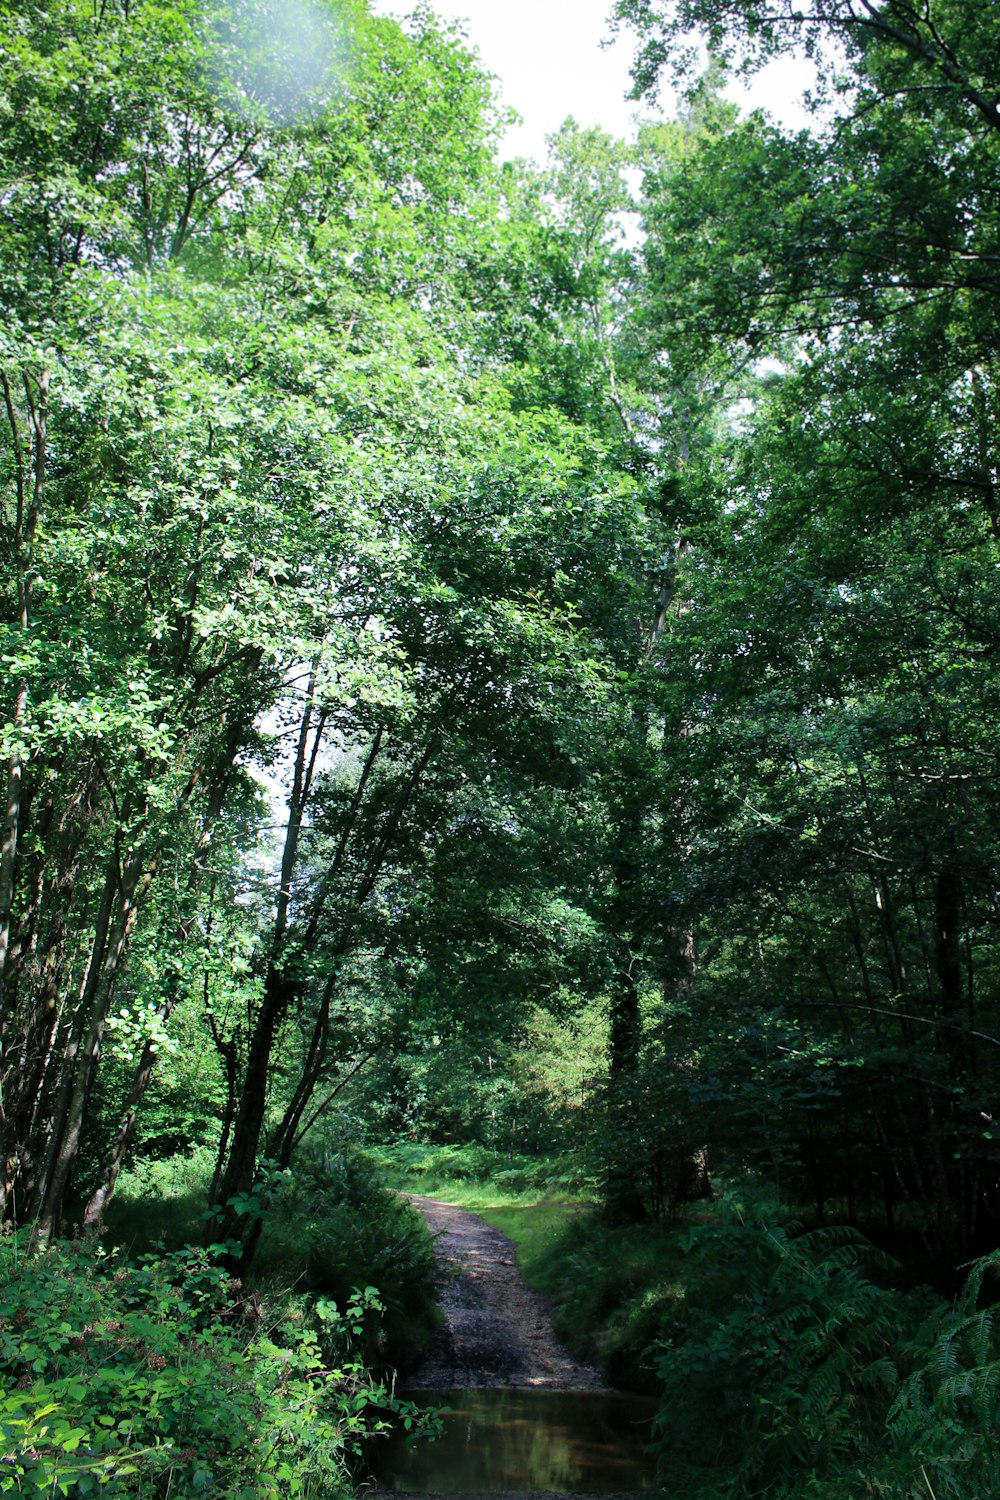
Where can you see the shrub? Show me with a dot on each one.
(795, 1374)
(143, 1378)
(944, 1421)
(330, 1225)
(336, 1226)
(780, 1370)
(161, 1202)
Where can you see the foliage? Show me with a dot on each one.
(160, 1203)
(136, 1377)
(612, 1286)
(514, 1084)
(429, 1167)
(824, 714)
(793, 1366)
(784, 1359)
(328, 1227)
(333, 1225)
(943, 1421)
(607, 622)
(330, 551)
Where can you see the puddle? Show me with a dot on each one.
(496, 1441)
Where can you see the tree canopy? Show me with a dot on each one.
(445, 599)
(508, 652)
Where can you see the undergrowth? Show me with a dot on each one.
(148, 1378)
(473, 1174)
(800, 1371)
(331, 1225)
(142, 1368)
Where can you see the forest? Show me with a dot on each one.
(501, 678)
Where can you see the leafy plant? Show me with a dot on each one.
(159, 1376)
(333, 1225)
(776, 1377)
(793, 1369)
(944, 1420)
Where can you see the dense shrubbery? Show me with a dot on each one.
(157, 1377)
(329, 1226)
(335, 1220)
(778, 1362)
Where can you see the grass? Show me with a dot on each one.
(474, 1175)
(528, 1198)
(540, 1228)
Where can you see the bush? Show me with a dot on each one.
(332, 1225)
(143, 1378)
(160, 1203)
(944, 1421)
(613, 1288)
(778, 1370)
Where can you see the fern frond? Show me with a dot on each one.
(981, 1339)
(986, 1265)
(944, 1360)
(822, 1390)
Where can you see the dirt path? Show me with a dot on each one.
(495, 1332)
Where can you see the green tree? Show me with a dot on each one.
(835, 661)
(215, 376)
(303, 471)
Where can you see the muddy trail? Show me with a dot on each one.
(495, 1331)
(526, 1420)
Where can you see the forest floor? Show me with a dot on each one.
(495, 1331)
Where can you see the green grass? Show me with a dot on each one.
(540, 1229)
(528, 1198)
(473, 1175)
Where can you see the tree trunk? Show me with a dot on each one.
(622, 1177)
(65, 1145)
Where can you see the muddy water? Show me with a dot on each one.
(501, 1441)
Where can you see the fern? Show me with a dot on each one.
(797, 1378)
(973, 1287)
(794, 1357)
(944, 1420)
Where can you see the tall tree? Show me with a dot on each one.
(836, 652)
(206, 367)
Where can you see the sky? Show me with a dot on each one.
(548, 57)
